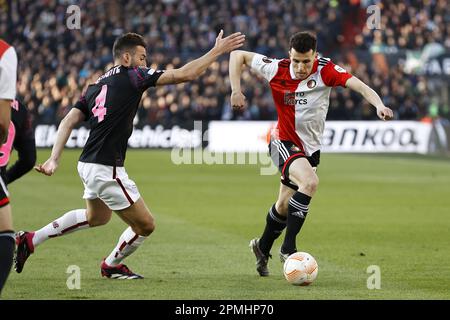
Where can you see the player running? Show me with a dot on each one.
(8, 78)
(110, 106)
(301, 88)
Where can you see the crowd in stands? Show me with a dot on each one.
(57, 63)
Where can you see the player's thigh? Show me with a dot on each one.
(97, 212)
(284, 195)
(303, 175)
(6, 218)
(138, 217)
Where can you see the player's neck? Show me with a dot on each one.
(119, 62)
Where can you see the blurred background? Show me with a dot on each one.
(405, 58)
(55, 63)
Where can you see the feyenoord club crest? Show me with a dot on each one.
(311, 83)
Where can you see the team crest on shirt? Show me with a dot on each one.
(311, 83)
(266, 60)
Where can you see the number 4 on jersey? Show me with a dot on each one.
(99, 110)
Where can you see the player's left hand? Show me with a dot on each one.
(237, 100)
(48, 168)
(385, 113)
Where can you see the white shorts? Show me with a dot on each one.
(110, 184)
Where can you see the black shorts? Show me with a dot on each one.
(283, 153)
(4, 196)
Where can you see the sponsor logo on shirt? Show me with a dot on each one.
(293, 98)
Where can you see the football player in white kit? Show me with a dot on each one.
(301, 88)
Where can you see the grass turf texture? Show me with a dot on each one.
(385, 210)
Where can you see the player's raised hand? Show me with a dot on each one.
(230, 43)
(385, 113)
(48, 168)
(237, 100)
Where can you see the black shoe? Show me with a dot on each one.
(120, 272)
(261, 258)
(283, 256)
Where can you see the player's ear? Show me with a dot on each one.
(126, 57)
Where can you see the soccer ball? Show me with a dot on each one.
(300, 268)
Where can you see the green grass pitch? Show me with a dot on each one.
(392, 211)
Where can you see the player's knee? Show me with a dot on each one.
(97, 221)
(147, 228)
(311, 184)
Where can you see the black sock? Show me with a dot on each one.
(275, 224)
(298, 209)
(7, 245)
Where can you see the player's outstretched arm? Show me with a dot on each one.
(74, 117)
(383, 112)
(238, 58)
(195, 68)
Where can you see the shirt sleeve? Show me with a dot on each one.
(8, 74)
(264, 66)
(83, 106)
(334, 76)
(144, 78)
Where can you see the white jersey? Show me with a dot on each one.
(8, 71)
(302, 105)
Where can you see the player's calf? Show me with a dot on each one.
(128, 243)
(298, 210)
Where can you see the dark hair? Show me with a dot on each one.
(127, 42)
(303, 41)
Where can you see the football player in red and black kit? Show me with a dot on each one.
(8, 78)
(110, 105)
(301, 88)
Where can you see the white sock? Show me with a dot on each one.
(71, 221)
(129, 241)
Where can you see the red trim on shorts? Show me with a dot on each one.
(74, 226)
(4, 202)
(121, 186)
(290, 159)
(125, 191)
